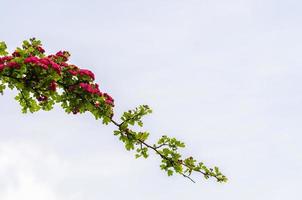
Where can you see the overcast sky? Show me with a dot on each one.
(223, 76)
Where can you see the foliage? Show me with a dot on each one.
(44, 80)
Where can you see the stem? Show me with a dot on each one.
(155, 149)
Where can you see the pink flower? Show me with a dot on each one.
(64, 64)
(7, 58)
(93, 89)
(63, 54)
(84, 85)
(56, 67)
(109, 100)
(13, 65)
(72, 72)
(60, 54)
(31, 59)
(87, 87)
(53, 86)
(107, 96)
(44, 61)
(87, 73)
(52, 57)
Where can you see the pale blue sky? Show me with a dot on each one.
(223, 76)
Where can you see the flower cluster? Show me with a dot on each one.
(75, 71)
(33, 60)
(109, 99)
(44, 63)
(6, 61)
(94, 89)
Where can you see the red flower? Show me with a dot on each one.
(93, 89)
(98, 92)
(31, 59)
(63, 54)
(40, 49)
(72, 72)
(7, 58)
(109, 100)
(87, 73)
(64, 64)
(13, 65)
(44, 61)
(56, 67)
(53, 86)
(52, 57)
(87, 87)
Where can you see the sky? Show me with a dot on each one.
(223, 76)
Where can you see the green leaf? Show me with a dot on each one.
(3, 48)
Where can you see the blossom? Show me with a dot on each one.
(44, 61)
(93, 89)
(108, 99)
(13, 65)
(64, 64)
(72, 69)
(5, 59)
(87, 73)
(87, 87)
(72, 72)
(63, 54)
(40, 49)
(55, 66)
(31, 59)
